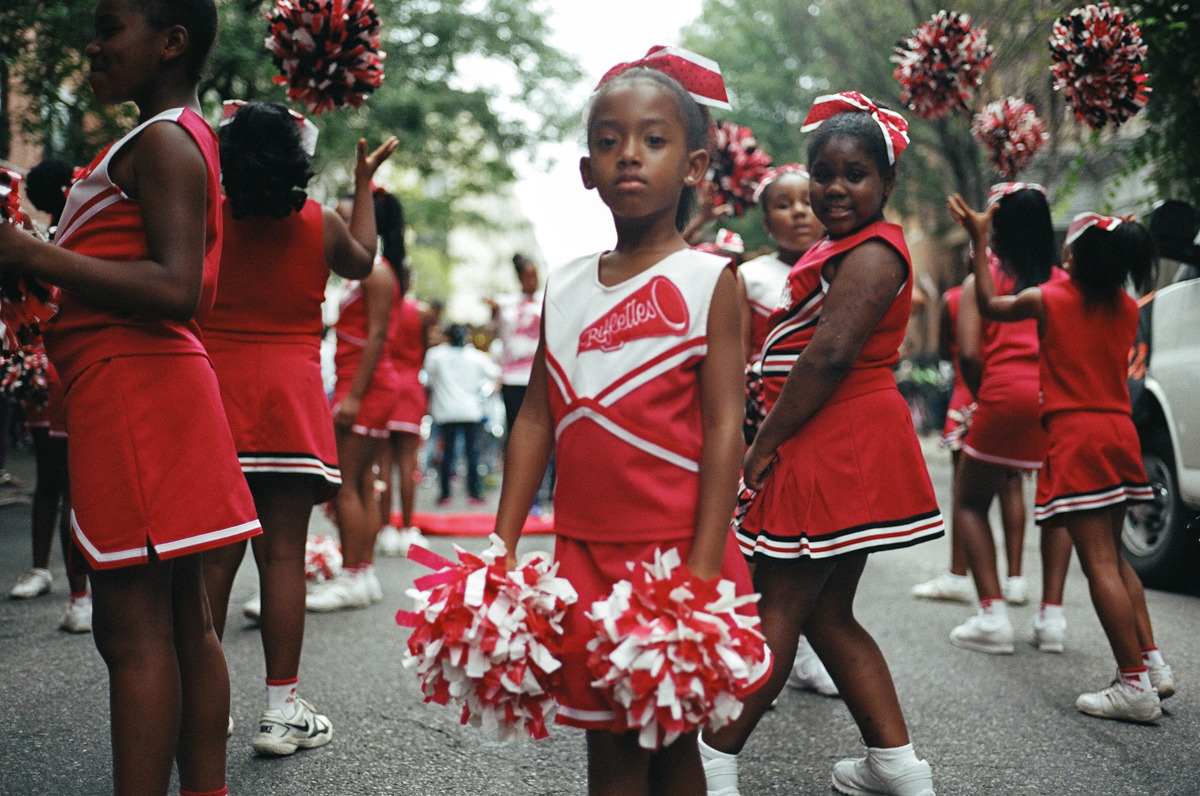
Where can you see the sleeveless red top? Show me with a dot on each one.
(1009, 349)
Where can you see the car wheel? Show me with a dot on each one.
(1154, 538)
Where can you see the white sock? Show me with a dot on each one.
(894, 758)
(720, 768)
(1050, 611)
(1137, 678)
(282, 696)
(1152, 657)
(994, 608)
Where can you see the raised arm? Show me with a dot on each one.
(350, 250)
(970, 338)
(1025, 305)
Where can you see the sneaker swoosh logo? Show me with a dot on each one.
(301, 727)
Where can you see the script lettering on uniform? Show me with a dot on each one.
(657, 309)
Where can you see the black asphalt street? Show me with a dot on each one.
(993, 726)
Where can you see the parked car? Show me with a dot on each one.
(1160, 540)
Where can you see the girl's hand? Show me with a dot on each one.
(367, 164)
(755, 465)
(14, 245)
(974, 222)
(346, 413)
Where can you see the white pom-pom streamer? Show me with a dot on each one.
(322, 558)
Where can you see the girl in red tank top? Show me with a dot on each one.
(1093, 464)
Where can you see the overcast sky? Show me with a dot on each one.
(568, 220)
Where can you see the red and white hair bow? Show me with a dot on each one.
(893, 125)
(308, 130)
(1083, 221)
(1003, 189)
(774, 173)
(700, 76)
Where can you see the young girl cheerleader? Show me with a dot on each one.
(836, 438)
(1093, 466)
(639, 365)
(363, 400)
(153, 469)
(1004, 433)
(788, 219)
(263, 336)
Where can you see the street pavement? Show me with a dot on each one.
(994, 726)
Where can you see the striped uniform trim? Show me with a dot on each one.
(363, 431)
(1016, 464)
(403, 427)
(804, 315)
(626, 435)
(859, 539)
(131, 555)
(586, 719)
(289, 463)
(1098, 499)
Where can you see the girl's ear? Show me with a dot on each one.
(889, 182)
(697, 167)
(175, 43)
(585, 171)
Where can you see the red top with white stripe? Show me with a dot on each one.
(1009, 350)
(795, 321)
(1085, 351)
(273, 275)
(101, 221)
(625, 397)
(765, 279)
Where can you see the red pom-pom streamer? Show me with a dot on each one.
(23, 376)
(1097, 63)
(737, 167)
(322, 558)
(939, 64)
(26, 305)
(327, 50)
(488, 638)
(672, 653)
(1011, 132)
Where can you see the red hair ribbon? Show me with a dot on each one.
(308, 130)
(893, 125)
(774, 173)
(1083, 221)
(700, 76)
(1003, 189)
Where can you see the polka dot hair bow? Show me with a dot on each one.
(1003, 189)
(699, 75)
(893, 125)
(308, 130)
(774, 174)
(1084, 221)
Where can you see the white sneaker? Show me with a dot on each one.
(371, 583)
(863, 777)
(78, 617)
(1163, 680)
(1048, 634)
(410, 537)
(1015, 590)
(1122, 701)
(389, 541)
(947, 586)
(720, 771)
(984, 633)
(252, 608)
(34, 583)
(808, 673)
(340, 593)
(278, 735)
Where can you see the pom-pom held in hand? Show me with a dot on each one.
(23, 376)
(671, 651)
(487, 638)
(26, 305)
(1097, 63)
(939, 64)
(322, 558)
(327, 51)
(1011, 133)
(738, 166)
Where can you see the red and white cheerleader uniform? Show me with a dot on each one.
(264, 338)
(852, 479)
(622, 363)
(962, 403)
(1006, 428)
(151, 461)
(765, 279)
(380, 397)
(406, 348)
(1094, 456)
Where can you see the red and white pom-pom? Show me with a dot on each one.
(1097, 63)
(26, 305)
(23, 376)
(327, 50)
(737, 167)
(939, 64)
(488, 638)
(1011, 133)
(322, 558)
(672, 653)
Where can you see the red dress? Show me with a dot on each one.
(380, 397)
(852, 479)
(151, 461)
(264, 338)
(1094, 457)
(406, 348)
